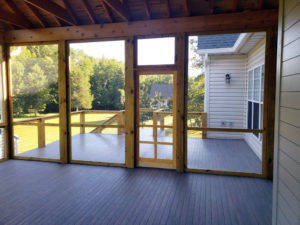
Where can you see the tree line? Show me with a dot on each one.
(95, 83)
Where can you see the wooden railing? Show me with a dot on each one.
(41, 123)
(160, 114)
(117, 118)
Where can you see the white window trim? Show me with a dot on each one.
(260, 102)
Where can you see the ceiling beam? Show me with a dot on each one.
(89, 11)
(14, 8)
(12, 18)
(107, 12)
(121, 9)
(169, 13)
(259, 4)
(186, 7)
(249, 21)
(147, 9)
(54, 9)
(37, 15)
(71, 11)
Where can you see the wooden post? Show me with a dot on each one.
(120, 121)
(269, 103)
(162, 121)
(41, 133)
(9, 115)
(82, 120)
(204, 124)
(63, 101)
(155, 126)
(179, 119)
(129, 103)
(4, 99)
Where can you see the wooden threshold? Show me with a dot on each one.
(224, 172)
(97, 163)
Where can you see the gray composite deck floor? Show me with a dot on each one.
(210, 154)
(49, 193)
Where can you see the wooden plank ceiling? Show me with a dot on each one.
(30, 14)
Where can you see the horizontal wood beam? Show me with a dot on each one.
(14, 19)
(121, 9)
(54, 9)
(221, 23)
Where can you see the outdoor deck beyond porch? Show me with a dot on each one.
(210, 154)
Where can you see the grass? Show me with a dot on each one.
(28, 135)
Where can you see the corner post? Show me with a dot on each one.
(129, 103)
(180, 99)
(63, 101)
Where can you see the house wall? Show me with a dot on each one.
(226, 102)
(286, 201)
(256, 57)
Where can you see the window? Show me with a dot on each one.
(156, 51)
(35, 101)
(97, 82)
(255, 98)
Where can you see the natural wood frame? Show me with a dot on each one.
(11, 151)
(3, 125)
(127, 98)
(264, 20)
(268, 110)
(156, 162)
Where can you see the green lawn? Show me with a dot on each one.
(28, 135)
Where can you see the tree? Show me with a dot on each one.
(81, 70)
(196, 83)
(107, 84)
(34, 72)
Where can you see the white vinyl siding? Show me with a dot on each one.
(286, 209)
(225, 103)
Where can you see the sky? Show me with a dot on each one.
(150, 51)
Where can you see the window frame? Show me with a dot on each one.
(260, 92)
(137, 38)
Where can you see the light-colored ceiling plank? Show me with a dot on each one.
(54, 9)
(121, 9)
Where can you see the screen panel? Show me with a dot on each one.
(35, 97)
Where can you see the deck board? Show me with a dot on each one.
(209, 154)
(51, 193)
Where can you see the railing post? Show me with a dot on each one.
(162, 121)
(204, 125)
(155, 125)
(41, 133)
(120, 121)
(82, 121)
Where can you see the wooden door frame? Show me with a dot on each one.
(148, 162)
